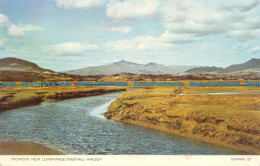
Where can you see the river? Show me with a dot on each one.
(77, 126)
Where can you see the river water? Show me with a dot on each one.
(76, 126)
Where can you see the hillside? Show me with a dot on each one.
(251, 66)
(14, 69)
(206, 69)
(15, 64)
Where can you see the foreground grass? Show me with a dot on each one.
(228, 120)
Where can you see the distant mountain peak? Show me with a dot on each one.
(124, 62)
(253, 60)
(151, 63)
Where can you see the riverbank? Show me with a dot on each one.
(26, 148)
(228, 120)
(11, 98)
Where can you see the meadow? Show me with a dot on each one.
(230, 120)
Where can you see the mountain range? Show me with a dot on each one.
(252, 65)
(130, 67)
(15, 64)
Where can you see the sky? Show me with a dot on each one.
(70, 34)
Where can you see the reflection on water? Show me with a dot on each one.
(76, 127)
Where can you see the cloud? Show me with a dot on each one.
(255, 49)
(246, 47)
(131, 9)
(124, 29)
(150, 43)
(3, 42)
(20, 29)
(85, 4)
(4, 20)
(175, 38)
(71, 48)
(17, 30)
(187, 19)
(191, 18)
(204, 17)
(244, 35)
(141, 43)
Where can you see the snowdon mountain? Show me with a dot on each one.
(130, 67)
(15, 64)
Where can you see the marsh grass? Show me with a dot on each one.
(229, 120)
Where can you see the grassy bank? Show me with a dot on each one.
(227, 120)
(15, 97)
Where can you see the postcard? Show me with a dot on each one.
(129, 82)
